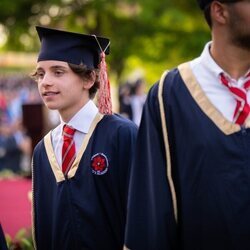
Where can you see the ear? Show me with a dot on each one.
(219, 12)
(88, 83)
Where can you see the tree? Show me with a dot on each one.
(149, 34)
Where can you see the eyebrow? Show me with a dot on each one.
(53, 67)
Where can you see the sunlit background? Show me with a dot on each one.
(146, 36)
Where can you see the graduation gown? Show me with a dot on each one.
(191, 192)
(87, 209)
(3, 244)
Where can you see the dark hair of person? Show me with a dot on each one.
(86, 74)
(207, 15)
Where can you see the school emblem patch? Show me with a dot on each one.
(99, 164)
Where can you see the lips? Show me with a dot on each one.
(50, 93)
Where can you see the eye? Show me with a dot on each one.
(59, 72)
(39, 75)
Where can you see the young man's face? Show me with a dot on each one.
(60, 88)
(240, 23)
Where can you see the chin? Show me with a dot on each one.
(51, 106)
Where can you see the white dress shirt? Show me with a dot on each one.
(81, 121)
(207, 73)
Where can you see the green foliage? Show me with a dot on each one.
(22, 240)
(147, 34)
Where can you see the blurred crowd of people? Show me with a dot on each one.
(15, 142)
(132, 97)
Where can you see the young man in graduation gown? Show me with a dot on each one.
(190, 182)
(80, 169)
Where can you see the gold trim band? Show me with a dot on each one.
(204, 103)
(52, 158)
(166, 142)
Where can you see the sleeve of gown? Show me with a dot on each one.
(126, 150)
(150, 220)
(3, 244)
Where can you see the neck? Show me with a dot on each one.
(233, 60)
(67, 115)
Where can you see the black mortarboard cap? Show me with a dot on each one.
(204, 3)
(71, 47)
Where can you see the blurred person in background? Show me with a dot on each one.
(138, 98)
(81, 168)
(15, 144)
(125, 108)
(190, 181)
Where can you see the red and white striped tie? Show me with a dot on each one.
(242, 109)
(68, 149)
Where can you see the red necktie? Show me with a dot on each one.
(68, 149)
(242, 107)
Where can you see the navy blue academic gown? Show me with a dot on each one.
(87, 210)
(210, 169)
(3, 244)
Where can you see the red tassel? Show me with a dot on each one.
(104, 96)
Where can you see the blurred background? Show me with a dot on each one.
(146, 36)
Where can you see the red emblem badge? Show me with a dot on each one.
(99, 164)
